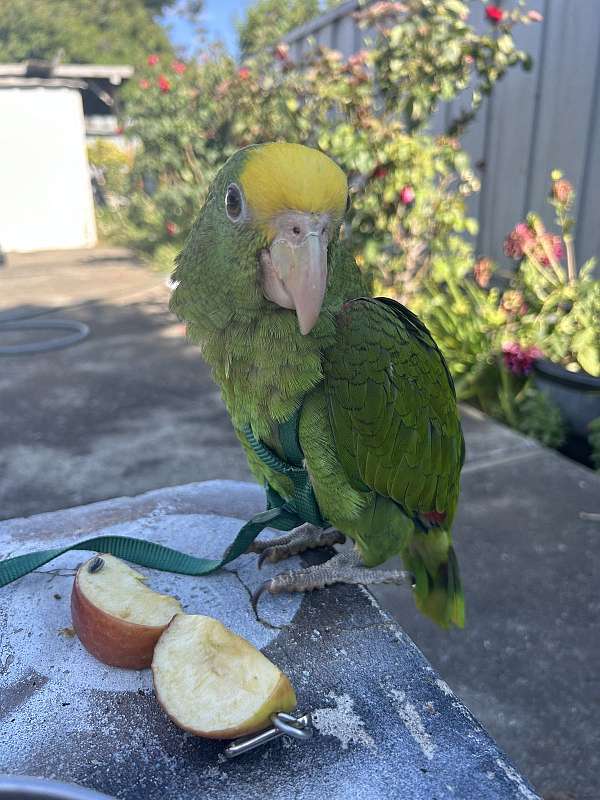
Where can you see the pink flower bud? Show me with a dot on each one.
(482, 272)
(152, 60)
(407, 195)
(518, 240)
(519, 360)
(562, 189)
(282, 52)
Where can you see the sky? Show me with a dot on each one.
(218, 20)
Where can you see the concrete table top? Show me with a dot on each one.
(386, 724)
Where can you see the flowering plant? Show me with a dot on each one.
(493, 330)
(563, 301)
(369, 112)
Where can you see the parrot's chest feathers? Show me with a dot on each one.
(264, 369)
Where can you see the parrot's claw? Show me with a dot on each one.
(304, 537)
(342, 568)
(257, 595)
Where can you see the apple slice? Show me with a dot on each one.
(116, 616)
(213, 683)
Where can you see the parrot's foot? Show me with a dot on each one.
(304, 537)
(342, 568)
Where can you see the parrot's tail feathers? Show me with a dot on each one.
(456, 598)
(438, 589)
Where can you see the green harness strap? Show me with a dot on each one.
(303, 502)
(281, 514)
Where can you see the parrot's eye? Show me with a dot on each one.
(234, 204)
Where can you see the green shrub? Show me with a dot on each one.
(549, 308)
(114, 163)
(369, 112)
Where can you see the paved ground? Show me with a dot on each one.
(129, 409)
(133, 408)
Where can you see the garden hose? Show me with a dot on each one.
(77, 331)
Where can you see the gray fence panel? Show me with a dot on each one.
(346, 35)
(508, 135)
(533, 123)
(588, 231)
(566, 92)
(474, 138)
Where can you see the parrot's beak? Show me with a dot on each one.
(295, 265)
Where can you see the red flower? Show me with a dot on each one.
(119, 130)
(407, 195)
(519, 360)
(144, 84)
(379, 172)
(518, 241)
(171, 228)
(493, 13)
(282, 52)
(178, 67)
(152, 60)
(164, 84)
(244, 73)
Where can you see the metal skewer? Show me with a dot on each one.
(283, 725)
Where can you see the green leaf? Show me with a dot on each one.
(457, 7)
(505, 43)
(472, 226)
(589, 358)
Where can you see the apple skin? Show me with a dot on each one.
(282, 698)
(111, 640)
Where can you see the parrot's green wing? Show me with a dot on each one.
(392, 406)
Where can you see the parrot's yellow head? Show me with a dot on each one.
(280, 177)
(297, 196)
(270, 220)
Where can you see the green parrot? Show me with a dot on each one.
(283, 316)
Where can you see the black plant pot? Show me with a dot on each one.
(577, 394)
